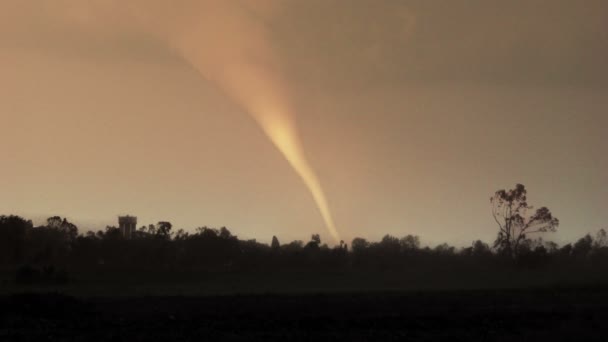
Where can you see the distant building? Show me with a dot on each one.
(127, 225)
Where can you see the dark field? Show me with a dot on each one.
(498, 315)
(57, 285)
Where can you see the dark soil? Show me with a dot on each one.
(510, 315)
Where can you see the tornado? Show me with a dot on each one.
(228, 43)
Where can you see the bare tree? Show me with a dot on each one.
(601, 239)
(510, 210)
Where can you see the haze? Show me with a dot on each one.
(412, 113)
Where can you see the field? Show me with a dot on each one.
(497, 315)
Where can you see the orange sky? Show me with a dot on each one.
(411, 114)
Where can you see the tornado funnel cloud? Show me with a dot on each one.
(228, 45)
(227, 42)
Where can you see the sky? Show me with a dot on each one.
(411, 114)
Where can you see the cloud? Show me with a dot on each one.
(531, 42)
(350, 42)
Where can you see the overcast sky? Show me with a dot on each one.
(412, 113)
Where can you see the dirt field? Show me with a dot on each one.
(514, 315)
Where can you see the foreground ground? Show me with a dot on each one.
(497, 315)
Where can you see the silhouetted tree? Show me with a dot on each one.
(359, 245)
(275, 245)
(225, 234)
(481, 249)
(599, 252)
(315, 242)
(565, 251)
(64, 226)
(111, 233)
(583, 246)
(293, 247)
(51, 243)
(390, 244)
(409, 243)
(445, 249)
(51, 248)
(510, 211)
(13, 233)
(551, 247)
(181, 235)
(207, 232)
(163, 230)
(601, 239)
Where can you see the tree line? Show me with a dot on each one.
(519, 243)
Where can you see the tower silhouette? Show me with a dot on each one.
(127, 225)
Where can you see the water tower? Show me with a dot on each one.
(127, 225)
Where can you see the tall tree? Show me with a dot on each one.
(511, 212)
(276, 245)
(163, 230)
(359, 245)
(315, 242)
(13, 233)
(601, 239)
(63, 226)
